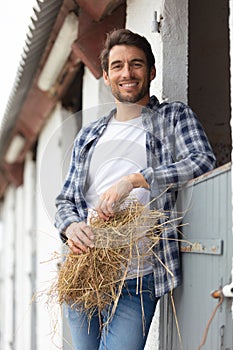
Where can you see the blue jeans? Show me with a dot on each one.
(129, 326)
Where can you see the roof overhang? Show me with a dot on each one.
(86, 47)
(29, 106)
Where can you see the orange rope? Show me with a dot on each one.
(210, 320)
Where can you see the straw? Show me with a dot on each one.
(92, 281)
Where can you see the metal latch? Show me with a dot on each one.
(226, 291)
(220, 294)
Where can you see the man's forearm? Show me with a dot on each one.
(137, 180)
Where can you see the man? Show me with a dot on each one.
(144, 149)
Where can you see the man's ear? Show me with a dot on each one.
(105, 77)
(152, 73)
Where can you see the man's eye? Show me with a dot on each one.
(116, 66)
(137, 65)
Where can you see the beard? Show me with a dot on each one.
(130, 98)
(124, 97)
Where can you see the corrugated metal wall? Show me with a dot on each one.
(206, 268)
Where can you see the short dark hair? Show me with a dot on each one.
(126, 37)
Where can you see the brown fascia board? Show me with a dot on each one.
(91, 37)
(3, 183)
(32, 117)
(98, 11)
(35, 111)
(14, 173)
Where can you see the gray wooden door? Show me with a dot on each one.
(207, 266)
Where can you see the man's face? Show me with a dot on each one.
(128, 75)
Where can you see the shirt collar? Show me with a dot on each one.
(153, 103)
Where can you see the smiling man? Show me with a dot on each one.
(139, 150)
(128, 74)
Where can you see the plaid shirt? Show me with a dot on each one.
(177, 151)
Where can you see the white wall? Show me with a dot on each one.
(22, 282)
(90, 95)
(140, 15)
(29, 243)
(53, 158)
(49, 181)
(16, 263)
(174, 33)
(97, 98)
(7, 272)
(169, 46)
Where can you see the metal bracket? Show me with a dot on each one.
(155, 27)
(203, 246)
(227, 290)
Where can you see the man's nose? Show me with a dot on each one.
(126, 71)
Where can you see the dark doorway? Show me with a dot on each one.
(209, 72)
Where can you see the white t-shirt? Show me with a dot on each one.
(120, 151)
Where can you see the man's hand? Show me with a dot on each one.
(117, 192)
(114, 194)
(80, 237)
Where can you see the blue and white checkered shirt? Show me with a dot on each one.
(177, 151)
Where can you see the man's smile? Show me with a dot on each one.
(133, 84)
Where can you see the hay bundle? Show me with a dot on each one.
(93, 280)
(89, 281)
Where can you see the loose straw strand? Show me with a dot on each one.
(176, 321)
